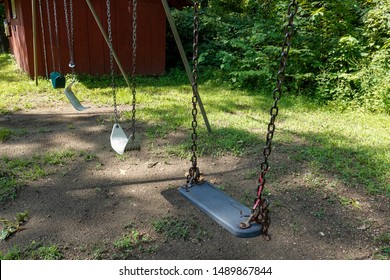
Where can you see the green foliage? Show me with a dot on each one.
(339, 54)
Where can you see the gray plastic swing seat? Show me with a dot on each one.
(222, 208)
(118, 139)
(73, 99)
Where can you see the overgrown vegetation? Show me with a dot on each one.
(340, 52)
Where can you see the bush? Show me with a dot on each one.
(339, 52)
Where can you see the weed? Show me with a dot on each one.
(175, 228)
(384, 238)
(98, 253)
(131, 241)
(345, 201)
(9, 186)
(59, 158)
(90, 157)
(14, 253)
(50, 252)
(34, 251)
(383, 254)
(320, 214)
(5, 133)
(122, 157)
(172, 227)
(99, 166)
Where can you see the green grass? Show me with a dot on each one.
(5, 134)
(175, 228)
(9, 186)
(19, 170)
(350, 146)
(34, 251)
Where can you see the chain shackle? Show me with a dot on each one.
(259, 210)
(194, 172)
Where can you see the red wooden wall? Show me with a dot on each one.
(91, 52)
(19, 44)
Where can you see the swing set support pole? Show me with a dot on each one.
(108, 42)
(184, 59)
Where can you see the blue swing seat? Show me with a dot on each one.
(222, 208)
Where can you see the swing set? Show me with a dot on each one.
(235, 217)
(58, 80)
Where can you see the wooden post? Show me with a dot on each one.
(184, 59)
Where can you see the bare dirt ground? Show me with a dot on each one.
(83, 206)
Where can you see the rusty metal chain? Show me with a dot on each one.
(43, 37)
(50, 35)
(70, 34)
(260, 207)
(194, 173)
(113, 87)
(57, 35)
(134, 59)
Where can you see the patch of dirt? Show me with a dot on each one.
(85, 206)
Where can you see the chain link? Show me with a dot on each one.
(70, 34)
(109, 27)
(43, 37)
(259, 210)
(50, 34)
(57, 36)
(194, 173)
(134, 60)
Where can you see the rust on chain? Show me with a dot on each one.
(260, 215)
(260, 212)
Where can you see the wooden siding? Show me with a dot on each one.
(91, 52)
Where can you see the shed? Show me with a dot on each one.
(91, 54)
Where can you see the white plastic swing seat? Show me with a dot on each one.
(222, 208)
(118, 139)
(73, 99)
